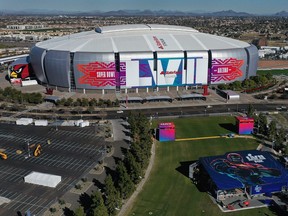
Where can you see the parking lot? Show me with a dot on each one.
(66, 151)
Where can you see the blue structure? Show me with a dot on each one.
(255, 172)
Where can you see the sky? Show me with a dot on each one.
(250, 6)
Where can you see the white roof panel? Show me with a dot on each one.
(142, 38)
(189, 42)
(97, 45)
(136, 43)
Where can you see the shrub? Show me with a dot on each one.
(52, 210)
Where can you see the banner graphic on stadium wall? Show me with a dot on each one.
(145, 72)
(100, 74)
(225, 70)
(170, 72)
(19, 71)
(103, 74)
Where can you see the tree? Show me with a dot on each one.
(116, 102)
(236, 85)
(223, 86)
(272, 131)
(97, 206)
(90, 109)
(280, 139)
(248, 84)
(263, 80)
(108, 103)
(93, 102)
(77, 102)
(251, 110)
(102, 113)
(269, 76)
(85, 102)
(79, 211)
(113, 199)
(124, 182)
(133, 167)
(262, 124)
(68, 102)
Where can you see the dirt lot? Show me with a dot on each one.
(272, 64)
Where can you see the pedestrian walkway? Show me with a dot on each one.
(215, 137)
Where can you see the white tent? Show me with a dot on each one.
(43, 179)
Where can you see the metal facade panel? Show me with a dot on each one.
(95, 70)
(197, 67)
(139, 69)
(170, 68)
(253, 60)
(228, 66)
(57, 66)
(36, 56)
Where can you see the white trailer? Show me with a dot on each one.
(84, 124)
(24, 121)
(41, 122)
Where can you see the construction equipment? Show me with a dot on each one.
(37, 150)
(3, 155)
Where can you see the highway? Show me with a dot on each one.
(194, 110)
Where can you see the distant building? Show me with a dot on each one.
(25, 27)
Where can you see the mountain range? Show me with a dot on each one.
(226, 13)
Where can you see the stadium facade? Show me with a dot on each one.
(141, 56)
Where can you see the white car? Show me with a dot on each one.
(119, 111)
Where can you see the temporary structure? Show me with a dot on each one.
(43, 179)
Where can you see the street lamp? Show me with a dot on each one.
(28, 146)
(56, 126)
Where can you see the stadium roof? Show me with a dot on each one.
(244, 168)
(141, 38)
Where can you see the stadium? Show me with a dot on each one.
(138, 56)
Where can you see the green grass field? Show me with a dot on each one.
(168, 190)
(273, 72)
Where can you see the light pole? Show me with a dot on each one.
(28, 146)
(56, 126)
